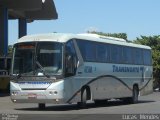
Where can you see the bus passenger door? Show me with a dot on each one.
(70, 71)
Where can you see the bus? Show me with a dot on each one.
(76, 68)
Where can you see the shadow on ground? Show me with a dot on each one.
(4, 94)
(71, 107)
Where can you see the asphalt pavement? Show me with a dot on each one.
(149, 104)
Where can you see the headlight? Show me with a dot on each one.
(14, 93)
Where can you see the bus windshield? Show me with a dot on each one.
(37, 58)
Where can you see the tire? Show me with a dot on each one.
(84, 97)
(82, 104)
(135, 95)
(134, 98)
(41, 106)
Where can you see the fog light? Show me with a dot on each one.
(50, 92)
(14, 93)
(57, 100)
(14, 100)
(55, 92)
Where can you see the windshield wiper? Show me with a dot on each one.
(43, 70)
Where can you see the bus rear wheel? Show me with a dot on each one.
(134, 98)
(41, 106)
(135, 95)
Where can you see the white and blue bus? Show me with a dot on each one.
(68, 68)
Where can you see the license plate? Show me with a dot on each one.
(32, 96)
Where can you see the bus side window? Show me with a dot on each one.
(138, 58)
(127, 56)
(116, 54)
(147, 57)
(102, 53)
(70, 59)
(88, 50)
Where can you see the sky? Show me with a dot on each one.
(133, 17)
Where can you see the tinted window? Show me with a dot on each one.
(116, 54)
(87, 49)
(138, 59)
(70, 48)
(147, 57)
(127, 55)
(102, 52)
(35, 58)
(49, 54)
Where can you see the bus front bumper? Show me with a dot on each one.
(39, 96)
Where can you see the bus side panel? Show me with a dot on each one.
(72, 87)
(110, 88)
(148, 89)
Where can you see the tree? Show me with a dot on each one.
(10, 50)
(154, 43)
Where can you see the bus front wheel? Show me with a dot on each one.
(82, 104)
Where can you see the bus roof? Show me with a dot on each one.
(64, 37)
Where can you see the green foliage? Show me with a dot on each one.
(154, 43)
(117, 35)
(10, 50)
